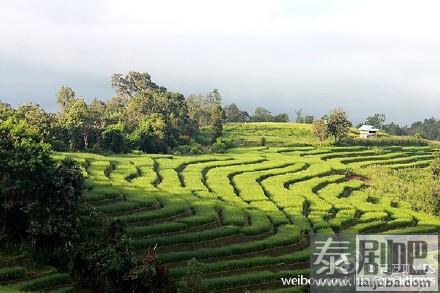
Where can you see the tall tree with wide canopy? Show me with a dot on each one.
(127, 86)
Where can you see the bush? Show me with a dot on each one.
(108, 264)
(196, 149)
(182, 150)
(193, 279)
(435, 167)
(221, 145)
(109, 169)
(59, 146)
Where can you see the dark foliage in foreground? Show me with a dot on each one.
(40, 199)
(107, 264)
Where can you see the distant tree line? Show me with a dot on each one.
(234, 114)
(142, 115)
(147, 117)
(428, 128)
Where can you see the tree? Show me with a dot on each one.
(24, 159)
(168, 107)
(428, 128)
(6, 111)
(197, 111)
(108, 264)
(113, 138)
(81, 120)
(35, 115)
(64, 96)
(338, 124)
(150, 135)
(127, 86)
(261, 115)
(394, 129)
(216, 122)
(200, 107)
(100, 263)
(282, 117)
(308, 119)
(114, 109)
(377, 120)
(55, 217)
(214, 98)
(41, 199)
(99, 109)
(234, 114)
(320, 130)
(299, 116)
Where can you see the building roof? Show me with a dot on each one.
(366, 127)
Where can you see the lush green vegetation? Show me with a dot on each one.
(115, 219)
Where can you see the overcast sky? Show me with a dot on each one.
(365, 56)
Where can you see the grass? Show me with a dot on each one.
(275, 134)
(11, 273)
(43, 282)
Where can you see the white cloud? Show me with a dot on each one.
(309, 53)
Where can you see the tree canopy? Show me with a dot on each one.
(41, 199)
(338, 124)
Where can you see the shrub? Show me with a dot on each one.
(182, 150)
(59, 146)
(188, 149)
(108, 264)
(192, 281)
(221, 145)
(435, 167)
(196, 148)
(109, 169)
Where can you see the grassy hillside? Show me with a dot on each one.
(298, 134)
(275, 134)
(246, 214)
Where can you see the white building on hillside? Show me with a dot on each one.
(367, 131)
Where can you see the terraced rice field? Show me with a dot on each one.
(245, 214)
(17, 276)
